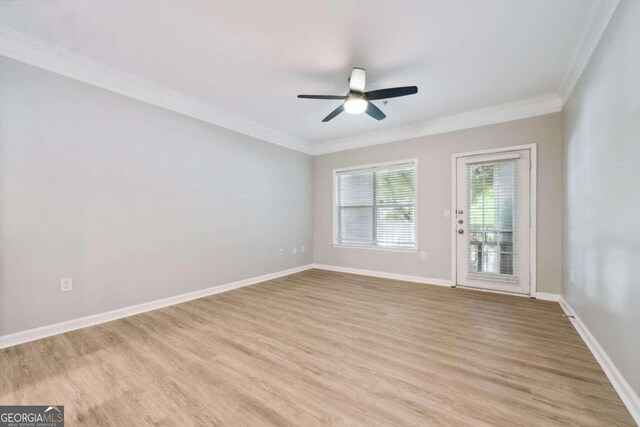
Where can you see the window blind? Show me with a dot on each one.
(376, 206)
(492, 205)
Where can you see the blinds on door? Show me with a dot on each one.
(377, 206)
(492, 203)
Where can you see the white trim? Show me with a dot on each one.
(83, 322)
(377, 248)
(454, 226)
(38, 53)
(531, 107)
(601, 15)
(491, 291)
(626, 393)
(533, 226)
(545, 296)
(496, 150)
(374, 166)
(628, 396)
(533, 194)
(383, 275)
(492, 158)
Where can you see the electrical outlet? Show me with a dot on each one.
(302, 249)
(294, 250)
(423, 255)
(280, 252)
(66, 285)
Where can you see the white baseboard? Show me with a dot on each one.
(71, 325)
(628, 396)
(384, 275)
(548, 297)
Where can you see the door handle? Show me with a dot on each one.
(461, 231)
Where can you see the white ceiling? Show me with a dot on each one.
(251, 58)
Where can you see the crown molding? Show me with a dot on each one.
(600, 17)
(24, 48)
(531, 107)
(41, 54)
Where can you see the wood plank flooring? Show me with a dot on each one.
(322, 348)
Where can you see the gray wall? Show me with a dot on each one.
(133, 202)
(434, 183)
(602, 193)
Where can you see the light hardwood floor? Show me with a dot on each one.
(322, 348)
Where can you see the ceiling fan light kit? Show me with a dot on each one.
(357, 101)
(355, 104)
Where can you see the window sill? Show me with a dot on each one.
(377, 248)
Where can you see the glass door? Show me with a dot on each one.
(492, 221)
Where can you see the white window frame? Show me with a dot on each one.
(382, 165)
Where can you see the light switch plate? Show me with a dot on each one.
(66, 285)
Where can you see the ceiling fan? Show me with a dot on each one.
(358, 101)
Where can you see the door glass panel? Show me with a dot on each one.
(492, 203)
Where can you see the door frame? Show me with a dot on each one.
(533, 194)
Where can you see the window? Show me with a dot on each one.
(375, 206)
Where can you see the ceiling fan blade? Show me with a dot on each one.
(357, 80)
(334, 113)
(322, 96)
(393, 92)
(375, 112)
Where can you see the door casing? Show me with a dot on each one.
(533, 194)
